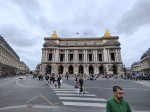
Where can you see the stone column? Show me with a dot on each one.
(42, 60)
(105, 55)
(57, 55)
(84, 55)
(94, 55)
(46, 56)
(86, 69)
(65, 68)
(108, 55)
(75, 56)
(119, 53)
(53, 54)
(96, 71)
(65, 55)
(116, 55)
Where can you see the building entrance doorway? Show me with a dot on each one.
(101, 70)
(91, 69)
(70, 69)
(114, 69)
(48, 69)
(60, 69)
(80, 69)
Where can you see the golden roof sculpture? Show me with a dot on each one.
(54, 35)
(107, 34)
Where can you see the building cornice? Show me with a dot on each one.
(81, 38)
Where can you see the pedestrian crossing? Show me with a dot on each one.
(69, 98)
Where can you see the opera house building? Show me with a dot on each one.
(90, 55)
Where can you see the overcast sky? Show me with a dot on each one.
(25, 23)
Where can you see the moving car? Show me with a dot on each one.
(136, 76)
(145, 77)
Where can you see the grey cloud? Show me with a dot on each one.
(32, 20)
(30, 9)
(134, 18)
(16, 36)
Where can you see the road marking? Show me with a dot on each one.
(85, 104)
(68, 92)
(6, 93)
(33, 98)
(62, 94)
(13, 107)
(17, 82)
(63, 89)
(42, 97)
(82, 98)
(46, 99)
(42, 106)
(147, 84)
(27, 106)
(66, 103)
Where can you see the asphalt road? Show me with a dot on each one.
(22, 94)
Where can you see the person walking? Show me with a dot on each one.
(58, 81)
(77, 88)
(117, 103)
(67, 75)
(81, 85)
(47, 79)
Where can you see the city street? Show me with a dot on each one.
(24, 94)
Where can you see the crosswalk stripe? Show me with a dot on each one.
(63, 89)
(67, 92)
(61, 94)
(83, 98)
(85, 104)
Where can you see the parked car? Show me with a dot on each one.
(136, 76)
(145, 77)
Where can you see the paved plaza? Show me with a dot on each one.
(27, 94)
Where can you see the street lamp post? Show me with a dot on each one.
(124, 68)
(104, 72)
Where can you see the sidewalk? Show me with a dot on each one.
(144, 82)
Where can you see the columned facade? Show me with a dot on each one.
(9, 61)
(98, 55)
(145, 62)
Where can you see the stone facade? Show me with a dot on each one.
(9, 60)
(142, 66)
(94, 55)
(136, 67)
(145, 62)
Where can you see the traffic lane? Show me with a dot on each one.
(104, 83)
(6, 86)
(36, 108)
(137, 95)
(111, 83)
(20, 95)
(46, 92)
(138, 99)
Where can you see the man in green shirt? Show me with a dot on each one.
(116, 103)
